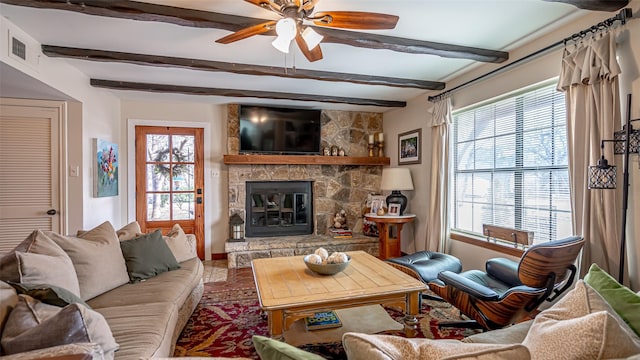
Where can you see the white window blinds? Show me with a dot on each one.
(510, 165)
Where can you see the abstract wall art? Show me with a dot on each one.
(106, 175)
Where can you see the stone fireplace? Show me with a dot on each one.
(334, 188)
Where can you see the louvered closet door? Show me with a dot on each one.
(29, 172)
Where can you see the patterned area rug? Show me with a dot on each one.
(227, 317)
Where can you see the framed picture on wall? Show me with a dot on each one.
(410, 147)
(106, 166)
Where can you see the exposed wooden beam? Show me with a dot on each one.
(194, 90)
(596, 5)
(246, 69)
(133, 10)
(375, 41)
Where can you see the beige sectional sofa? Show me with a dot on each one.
(597, 319)
(144, 318)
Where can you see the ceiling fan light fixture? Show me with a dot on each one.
(311, 37)
(281, 44)
(286, 30)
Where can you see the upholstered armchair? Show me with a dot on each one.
(509, 291)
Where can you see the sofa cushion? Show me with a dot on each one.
(270, 349)
(97, 258)
(386, 347)
(36, 243)
(581, 324)
(48, 294)
(624, 301)
(173, 287)
(8, 300)
(45, 269)
(143, 331)
(585, 337)
(34, 325)
(513, 334)
(89, 351)
(129, 231)
(181, 246)
(147, 256)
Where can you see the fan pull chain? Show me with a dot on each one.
(294, 62)
(285, 63)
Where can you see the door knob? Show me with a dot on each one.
(51, 212)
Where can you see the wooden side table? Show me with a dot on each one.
(390, 247)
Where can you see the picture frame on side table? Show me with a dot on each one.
(377, 202)
(410, 147)
(394, 210)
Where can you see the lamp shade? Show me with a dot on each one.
(602, 176)
(396, 179)
(311, 37)
(286, 30)
(621, 136)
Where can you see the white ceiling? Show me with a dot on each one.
(491, 24)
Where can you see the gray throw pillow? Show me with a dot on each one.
(48, 294)
(34, 325)
(147, 256)
(38, 259)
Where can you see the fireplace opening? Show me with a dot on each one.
(278, 208)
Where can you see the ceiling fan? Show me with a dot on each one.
(292, 25)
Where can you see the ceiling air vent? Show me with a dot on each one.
(18, 48)
(22, 49)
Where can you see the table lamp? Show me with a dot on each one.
(396, 179)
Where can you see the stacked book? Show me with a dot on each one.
(323, 320)
(341, 233)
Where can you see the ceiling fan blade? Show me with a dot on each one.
(265, 4)
(312, 55)
(248, 32)
(355, 20)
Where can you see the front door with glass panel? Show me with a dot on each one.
(170, 180)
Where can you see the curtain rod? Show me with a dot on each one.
(622, 16)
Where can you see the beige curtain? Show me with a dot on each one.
(437, 214)
(589, 77)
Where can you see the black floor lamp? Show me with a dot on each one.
(603, 175)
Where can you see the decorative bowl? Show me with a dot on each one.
(327, 269)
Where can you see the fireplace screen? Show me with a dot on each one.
(279, 208)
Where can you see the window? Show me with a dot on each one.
(510, 165)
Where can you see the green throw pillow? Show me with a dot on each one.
(624, 301)
(270, 349)
(147, 256)
(48, 294)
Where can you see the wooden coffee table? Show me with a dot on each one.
(288, 290)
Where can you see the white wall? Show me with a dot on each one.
(188, 114)
(99, 116)
(414, 116)
(545, 67)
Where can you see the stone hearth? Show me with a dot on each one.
(240, 254)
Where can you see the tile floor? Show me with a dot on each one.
(216, 271)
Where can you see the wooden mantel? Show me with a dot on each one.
(303, 160)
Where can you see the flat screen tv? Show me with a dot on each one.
(273, 130)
